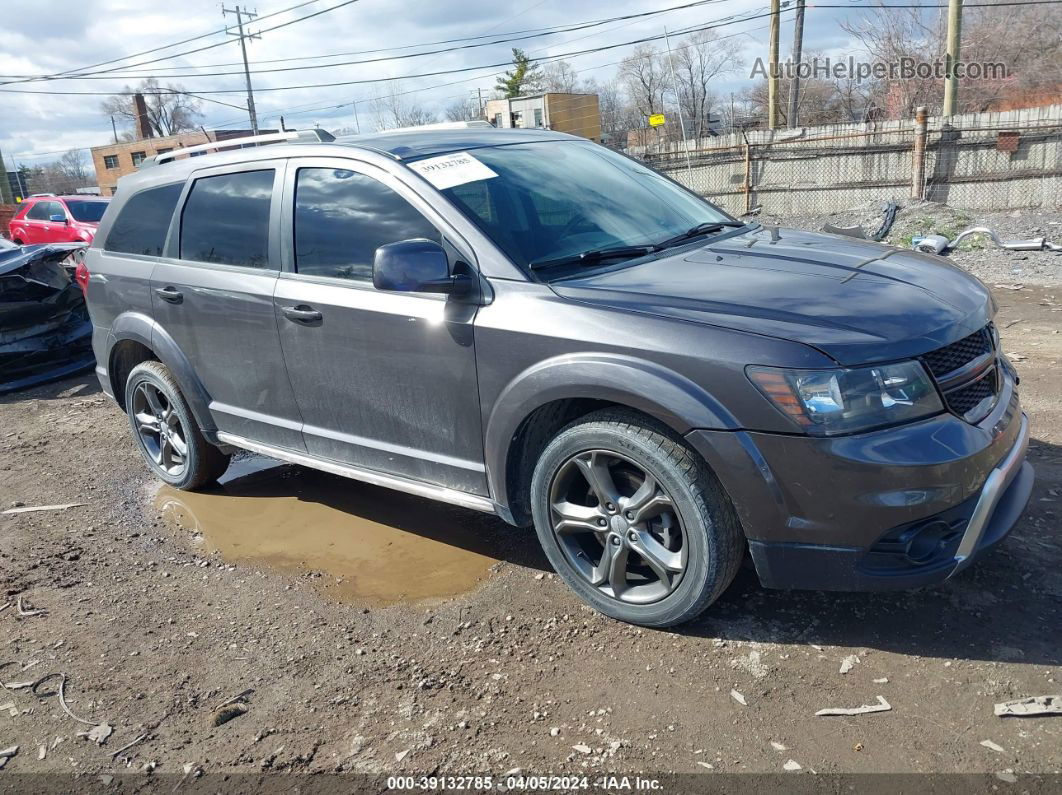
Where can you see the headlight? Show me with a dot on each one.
(829, 402)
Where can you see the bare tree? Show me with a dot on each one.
(393, 109)
(698, 62)
(561, 77)
(462, 110)
(169, 109)
(1023, 39)
(643, 73)
(73, 165)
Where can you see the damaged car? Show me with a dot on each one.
(528, 324)
(45, 333)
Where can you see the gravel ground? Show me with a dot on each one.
(978, 255)
(154, 629)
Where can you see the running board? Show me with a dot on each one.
(416, 487)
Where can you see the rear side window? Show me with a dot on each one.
(39, 211)
(226, 219)
(342, 217)
(143, 222)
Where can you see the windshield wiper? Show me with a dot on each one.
(705, 228)
(594, 255)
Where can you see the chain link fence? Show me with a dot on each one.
(990, 161)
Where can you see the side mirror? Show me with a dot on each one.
(58, 218)
(416, 266)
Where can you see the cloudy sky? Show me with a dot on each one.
(53, 36)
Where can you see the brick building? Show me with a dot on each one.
(578, 114)
(116, 160)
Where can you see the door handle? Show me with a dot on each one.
(170, 294)
(306, 315)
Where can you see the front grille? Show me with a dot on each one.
(965, 399)
(951, 357)
(944, 364)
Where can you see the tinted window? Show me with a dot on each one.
(342, 217)
(143, 222)
(88, 211)
(558, 199)
(226, 219)
(39, 211)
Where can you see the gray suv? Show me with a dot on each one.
(525, 323)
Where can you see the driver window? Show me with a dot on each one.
(342, 217)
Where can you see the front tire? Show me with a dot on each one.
(633, 520)
(166, 432)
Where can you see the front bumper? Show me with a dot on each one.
(900, 508)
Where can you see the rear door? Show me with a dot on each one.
(384, 380)
(36, 222)
(213, 294)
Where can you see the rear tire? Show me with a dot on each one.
(633, 520)
(167, 435)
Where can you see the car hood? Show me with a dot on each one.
(855, 300)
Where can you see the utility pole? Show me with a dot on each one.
(479, 98)
(114, 129)
(798, 46)
(772, 67)
(357, 124)
(951, 57)
(678, 105)
(240, 14)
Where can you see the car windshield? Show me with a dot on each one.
(554, 200)
(89, 212)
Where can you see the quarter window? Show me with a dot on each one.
(226, 219)
(342, 217)
(39, 211)
(143, 222)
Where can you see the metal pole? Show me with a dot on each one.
(951, 57)
(114, 130)
(357, 123)
(748, 177)
(798, 46)
(772, 74)
(246, 69)
(678, 106)
(918, 154)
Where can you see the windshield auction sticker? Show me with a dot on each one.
(449, 171)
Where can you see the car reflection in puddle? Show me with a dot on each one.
(378, 546)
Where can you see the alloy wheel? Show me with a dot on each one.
(617, 526)
(161, 433)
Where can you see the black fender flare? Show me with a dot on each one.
(642, 385)
(140, 328)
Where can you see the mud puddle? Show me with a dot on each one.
(376, 546)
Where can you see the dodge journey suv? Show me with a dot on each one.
(529, 324)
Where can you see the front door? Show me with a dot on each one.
(213, 294)
(384, 381)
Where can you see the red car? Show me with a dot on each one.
(46, 218)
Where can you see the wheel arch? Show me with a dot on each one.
(137, 338)
(541, 400)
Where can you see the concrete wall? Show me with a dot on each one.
(836, 167)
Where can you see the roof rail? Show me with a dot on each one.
(38, 195)
(320, 136)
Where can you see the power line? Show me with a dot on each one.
(301, 109)
(521, 37)
(730, 20)
(156, 49)
(198, 49)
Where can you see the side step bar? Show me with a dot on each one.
(416, 487)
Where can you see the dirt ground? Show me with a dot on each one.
(369, 631)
